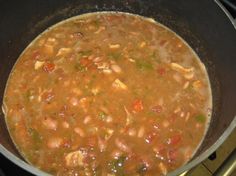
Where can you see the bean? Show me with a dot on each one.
(116, 68)
(186, 84)
(87, 119)
(162, 168)
(114, 46)
(74, 101)
(65, 124)
(141, 132)
(132, 132)
(122, 145)
(165, 123)
(54, 142)
(79, 131)
(187, 116)
(97, 59)
(50, 123)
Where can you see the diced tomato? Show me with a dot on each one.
(35, 54)
(48, 96)
(174, 140)
(157, 108)
(172, 155)
(138, 105)
(48, 67)
(160, 151)
(161, 71)
(85, 62)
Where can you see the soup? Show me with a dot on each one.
(108, 94)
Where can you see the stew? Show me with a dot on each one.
(109, 94)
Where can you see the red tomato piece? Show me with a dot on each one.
(48, 67)
(35, 54)
(48, 96)
(174, 140)
(172, 155)
(161, 71)
(138, 105)
(157, 108)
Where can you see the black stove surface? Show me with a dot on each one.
(7, 168)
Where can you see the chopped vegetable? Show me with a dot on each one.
(63, 51)
(129, 117)
(102, 116)
(144, 65)
(142, 44)
(116, 68)
(142, 169)
(162, 168)
(35, 135)
(114, 46)
(54, 142)
(200, 118)
(114, 56)
(38, 64)
(137, 105)
(48, 67)
(80, 68)
(74, 159)
(157, 109)
(119, 85)
(174, 140)
(117, 166)
(101, 28)
(48, 49)
(197, 85)
(180, 68)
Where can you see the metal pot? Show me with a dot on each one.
(201, 23)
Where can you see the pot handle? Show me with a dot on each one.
(225, 5)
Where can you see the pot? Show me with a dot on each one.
(202, 24)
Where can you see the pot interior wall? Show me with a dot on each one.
(201, 23)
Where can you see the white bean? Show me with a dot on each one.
(87, 119)
(141, 132)
(97, 59)
(74, 101)
(79, 131)
(65, 124)
(116, 68)
(122, 145)
(165, 123)
(132, 132)
(54, 142)
(50, 123)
